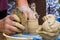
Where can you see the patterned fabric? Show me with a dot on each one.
(52, 6)
(11, 5)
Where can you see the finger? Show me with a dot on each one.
(18, 25)
(26, 14)
(15, 17)
(8, 21)
(11, 28)
(32, 15)
(8, 32)
(29, 14)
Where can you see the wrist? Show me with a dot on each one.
(24, 8)
(22, 2)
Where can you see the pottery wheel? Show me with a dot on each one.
(2, 37)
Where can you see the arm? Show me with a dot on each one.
(22, 3)
(23, 6)
(8, 26)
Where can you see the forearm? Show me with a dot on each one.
(21, 3)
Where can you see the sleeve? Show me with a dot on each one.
(11, 5)
(3, 14)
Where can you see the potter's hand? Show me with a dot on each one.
(23, 5)
(28, 12)
(9, 26)
(47, 33)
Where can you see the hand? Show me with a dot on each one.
(9, 26)
(28, 12)
(24, 6)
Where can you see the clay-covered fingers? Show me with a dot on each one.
(39, 29)
(11, 29)
(13, 23)
(8, 32)
(13, 17)
(11, 26)
(18, 25)
(50, 34)
(32, 15)
(50, 16)
(29, 14)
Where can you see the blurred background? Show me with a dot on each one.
(53, 7)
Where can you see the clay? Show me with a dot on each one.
(50, 28)
(29, 24)
(50, 25)
(32, 26)
(49, 16)
(21, 15)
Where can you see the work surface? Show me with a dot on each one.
(2, 37)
